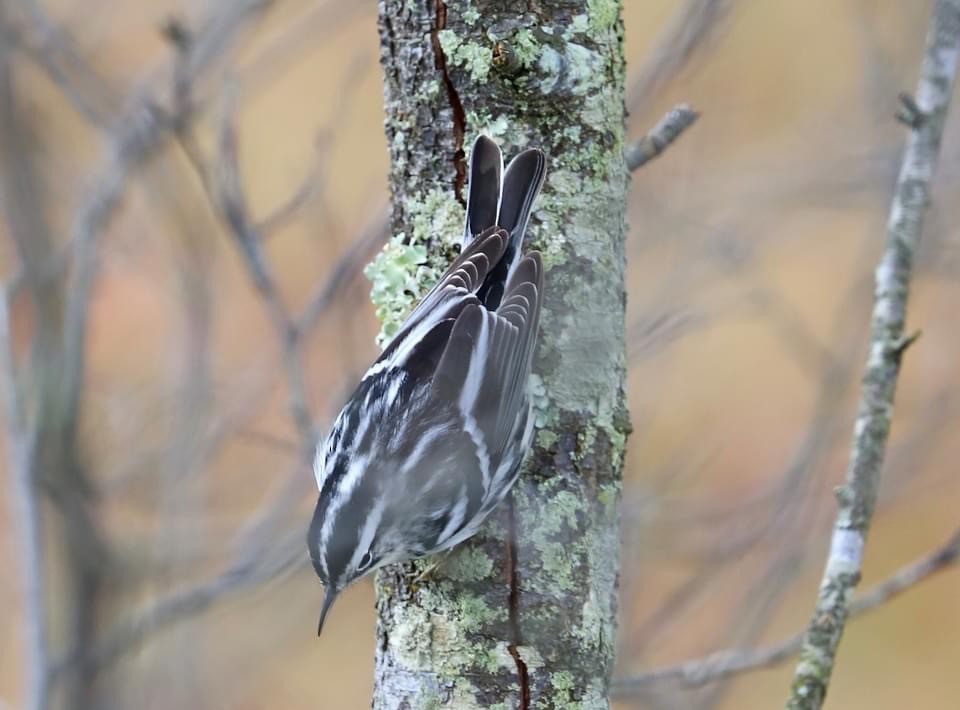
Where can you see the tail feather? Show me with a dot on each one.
(521, 184)
(502, 201)
(483, 199)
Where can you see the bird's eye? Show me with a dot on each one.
(365, 561)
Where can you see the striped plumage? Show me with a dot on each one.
(433, 437)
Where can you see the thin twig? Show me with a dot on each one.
(722, 664)
(857, 498)
(677, 120)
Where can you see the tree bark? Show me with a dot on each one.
(523, 615)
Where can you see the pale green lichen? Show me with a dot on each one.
(546, 438)
(396, 274)
(572, 133)
(579, 24)
(472, 56)
(564, 686)
(576, 68)
(449, 42)
(403, 272)
(552, 538)
(430, 700)
(435, 215)
(603, 14)
(430, 88)
(609, 496)
(474, 614)
(540, 400)
(469, 564)
(495, 127)
(471, 15)
(526, 48)
(437, 635)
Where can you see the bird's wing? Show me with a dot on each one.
(444, 302)
(485, 366)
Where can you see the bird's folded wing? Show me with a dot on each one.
(446, 300)
(486, 363)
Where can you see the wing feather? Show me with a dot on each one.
(447, 299)
(486, 364)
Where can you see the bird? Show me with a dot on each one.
(434, 436)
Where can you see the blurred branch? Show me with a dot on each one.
(223, 185)
(135, 134)
(140, 133)
(311, 184)
(675, 122)
(857, 498)
(138, 137)
(55, 52)
(315, 179)
(253, 566)
(61, 330)
(722, 664)
(689, 29)
(27, 517)
(351, 263)
(22, 204)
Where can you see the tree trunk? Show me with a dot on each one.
(523, 615)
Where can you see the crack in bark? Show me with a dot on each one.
(523, 675)
(459, 115)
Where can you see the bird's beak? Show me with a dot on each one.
(327, 603)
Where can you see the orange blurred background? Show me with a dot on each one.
(751, 249)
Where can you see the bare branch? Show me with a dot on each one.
(723, 664)
(857, 498)
(677, 120)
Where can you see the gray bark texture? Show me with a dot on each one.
(523, 615)
(857, 498)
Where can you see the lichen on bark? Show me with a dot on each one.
(523, 615)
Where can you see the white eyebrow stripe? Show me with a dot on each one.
(366, 536)
(342, 494)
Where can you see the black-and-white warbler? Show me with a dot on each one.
(433, 437)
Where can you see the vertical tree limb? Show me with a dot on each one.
(857, 497)
(524, 614)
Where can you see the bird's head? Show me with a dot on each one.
(345, 542)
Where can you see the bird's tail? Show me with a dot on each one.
(504, 199)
